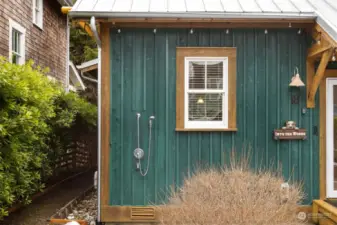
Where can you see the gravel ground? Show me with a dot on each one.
(44, 207)
(86, 209)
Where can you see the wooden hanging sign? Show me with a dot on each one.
(290, 132)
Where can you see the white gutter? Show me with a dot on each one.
(68, 56)
(88, 78)
(99, 85)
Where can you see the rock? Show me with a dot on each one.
(71, 216)
(86, 209)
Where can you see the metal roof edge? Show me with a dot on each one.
(329, 28)
(197, 15)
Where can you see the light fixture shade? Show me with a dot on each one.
(200, 101)
(296, 81)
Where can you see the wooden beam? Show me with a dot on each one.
(105, 117)
(318, 77)
(90, 68)
(64, 221)
(310, 65)
(324, 35)
(322, 141)
(329, 211)
(317, 49)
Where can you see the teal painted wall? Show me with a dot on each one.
(143, 79)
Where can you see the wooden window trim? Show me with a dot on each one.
(183, 52)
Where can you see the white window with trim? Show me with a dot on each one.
(38, 13)
(17, 35)
(206, 92)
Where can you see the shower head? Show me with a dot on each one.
(138, 115)
(152, 118)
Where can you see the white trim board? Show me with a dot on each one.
(38, 23)
(330, 145)
(22, 30)
(224, 91)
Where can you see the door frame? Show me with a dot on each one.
(330, 192)
(329, 73)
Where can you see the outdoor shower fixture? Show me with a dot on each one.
(138, 153)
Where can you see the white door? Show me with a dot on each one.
(331, 137)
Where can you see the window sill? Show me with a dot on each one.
(38, 26)
(207, 129)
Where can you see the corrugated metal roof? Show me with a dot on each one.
(324, 10)
(65, 2)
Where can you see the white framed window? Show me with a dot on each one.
(38, 13)
(17, 40)
(206, 92)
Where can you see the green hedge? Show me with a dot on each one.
(32, 111)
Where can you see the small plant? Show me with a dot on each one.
(234, 195)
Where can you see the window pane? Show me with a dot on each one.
(13, 40)
(205, 107)
(37, 17)
(18, 50)
(16, 41)
(214, 75)
(196, 75)
(15, 58)
(37, 3)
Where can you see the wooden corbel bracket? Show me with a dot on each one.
(313, 79)
(318, 49)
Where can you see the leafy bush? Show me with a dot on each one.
(233, 195)
(32, 108)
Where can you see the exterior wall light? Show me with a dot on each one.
(296, 80)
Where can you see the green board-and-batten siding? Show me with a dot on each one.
(143, 79)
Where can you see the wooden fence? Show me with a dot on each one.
(73, 161)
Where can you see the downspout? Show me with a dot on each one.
(99, 85)
(68, 55)
(88, 78)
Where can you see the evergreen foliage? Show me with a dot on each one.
(82, 46)
(33, 110)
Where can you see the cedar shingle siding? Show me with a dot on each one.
(47, 47)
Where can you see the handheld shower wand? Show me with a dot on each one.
(138, 152)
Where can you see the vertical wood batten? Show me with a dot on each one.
(184, 150)
(105, 116)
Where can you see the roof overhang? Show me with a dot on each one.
(88, 66)
(65, 2)
(194, 15)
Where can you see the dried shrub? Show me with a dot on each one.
(234, 195)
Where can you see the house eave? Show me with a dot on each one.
(195, 15)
